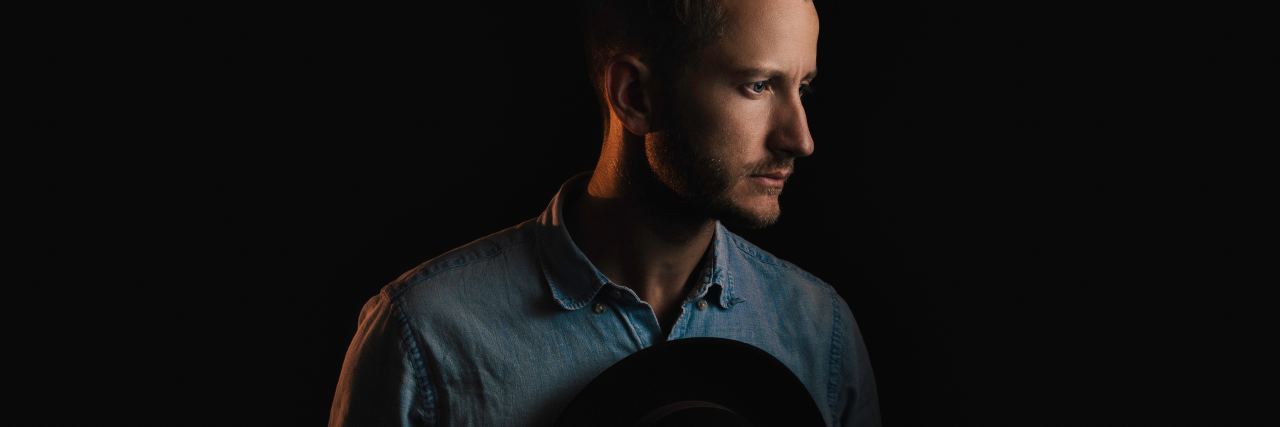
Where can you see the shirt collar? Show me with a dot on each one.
(575, 281)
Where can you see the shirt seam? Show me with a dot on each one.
(834, 381)
(742, 246)
(418, 365)
(425, 273)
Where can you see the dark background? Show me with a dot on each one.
(1039, 214)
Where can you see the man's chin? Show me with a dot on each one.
(741, 217)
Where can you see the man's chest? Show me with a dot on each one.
(525, 373)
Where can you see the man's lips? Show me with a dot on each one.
(779, 175)
(772, 179)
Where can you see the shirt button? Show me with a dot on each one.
(702, 304)
(599, 308)
(617, 293)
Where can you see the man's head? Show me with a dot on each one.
(712, 90)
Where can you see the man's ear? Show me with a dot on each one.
(627, 82)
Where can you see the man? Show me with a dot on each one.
(704, 120)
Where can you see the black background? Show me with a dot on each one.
(1040, 214)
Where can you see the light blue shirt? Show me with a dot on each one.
(506, 329)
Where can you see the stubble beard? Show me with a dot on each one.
(700, 180)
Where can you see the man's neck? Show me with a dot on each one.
(637, 242)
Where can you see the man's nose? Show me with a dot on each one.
(791, 129)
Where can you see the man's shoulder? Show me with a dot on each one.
(761, 264)
(475, 263)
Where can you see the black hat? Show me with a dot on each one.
(703, 381)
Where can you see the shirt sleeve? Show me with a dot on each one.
(383, 381)
(856, 402)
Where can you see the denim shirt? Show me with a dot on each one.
(506, 329)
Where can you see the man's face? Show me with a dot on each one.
(736, 114)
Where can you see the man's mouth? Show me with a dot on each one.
(772, 179)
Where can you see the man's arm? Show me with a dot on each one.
(384, 380)
(856, 402)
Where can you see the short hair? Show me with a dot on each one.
(663, 33)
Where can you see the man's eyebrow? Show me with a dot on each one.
(771, 73)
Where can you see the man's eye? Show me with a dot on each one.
(806, 90)
(758, 87)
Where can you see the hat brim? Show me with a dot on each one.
(707, 380)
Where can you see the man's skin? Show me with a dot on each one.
(674, 161)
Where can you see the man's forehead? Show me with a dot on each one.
(768, 38)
